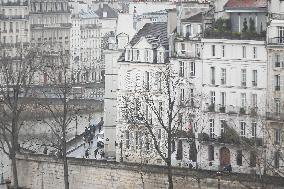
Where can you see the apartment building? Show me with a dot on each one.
(275, 91)
(14, 22)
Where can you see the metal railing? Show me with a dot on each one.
(276, 41)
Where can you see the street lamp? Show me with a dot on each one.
(120, 145)
(2, 173)
(219, 179)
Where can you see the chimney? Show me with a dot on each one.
(172, 21)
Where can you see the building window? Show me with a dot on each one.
(160, 58)
(223, 50)
(254, 100)
(182, 96)
(212, 75)
(254, 78)
(252, 159)
(277, 106)
(213, 50)
(212, 95)
(277, 136)
(192, 68)
(197, 47)
(223, 76)
(147, 55)
(180, 125)
(280, 34)
(160, 109)
(181, 69)
(127, 139)
(128, 52)
(223, 124)
(212, 125)
(137, 55)
(254, 52)
(276, 159)
(210, 153)
(223, 99)
(243, 100)
(244, 51)
(147, 80)
(277, 82)
(253, 129)
(243, 128)
(244, 77)
(136, 139)
(191, 98)
(183, 48)
(179, 150)
(239, 158)
(277, 61)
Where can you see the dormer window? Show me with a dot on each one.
(136, 55)
(128, 55)
(147, 55)
(160, 57)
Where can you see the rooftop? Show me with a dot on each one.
(111, 13)
(246, 5)
(194, 18)
(155, 33)
(88, 14)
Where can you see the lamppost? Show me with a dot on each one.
(2, 173)
(219, 179)
(120, 145)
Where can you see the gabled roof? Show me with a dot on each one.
(194, 18)
(155, 33)
(111, 13)
(246, 4)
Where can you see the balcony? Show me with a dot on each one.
(17, 3)
(8, 17)
(275, 116)
(275, 16)
(276, 41)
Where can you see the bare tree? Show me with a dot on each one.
(17, 71)
(159, 115)
(56, 104)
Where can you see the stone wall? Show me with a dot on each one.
(39, 171)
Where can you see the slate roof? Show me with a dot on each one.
(111, 13)
(88, 14)
(155, 33)
(246, 4)
(194, 18)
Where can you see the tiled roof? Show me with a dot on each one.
(155, 33)
(194, 18)
(246, 4)
(111, 13)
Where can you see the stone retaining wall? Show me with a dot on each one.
(39, 171)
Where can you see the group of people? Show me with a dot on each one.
(88, 138)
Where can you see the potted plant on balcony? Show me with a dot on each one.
(253, 111)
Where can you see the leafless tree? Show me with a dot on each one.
(160, 115)
(57, 104)
(17, 71)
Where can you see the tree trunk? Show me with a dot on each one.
(170, 177)
(65, 166)
(15, 172)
